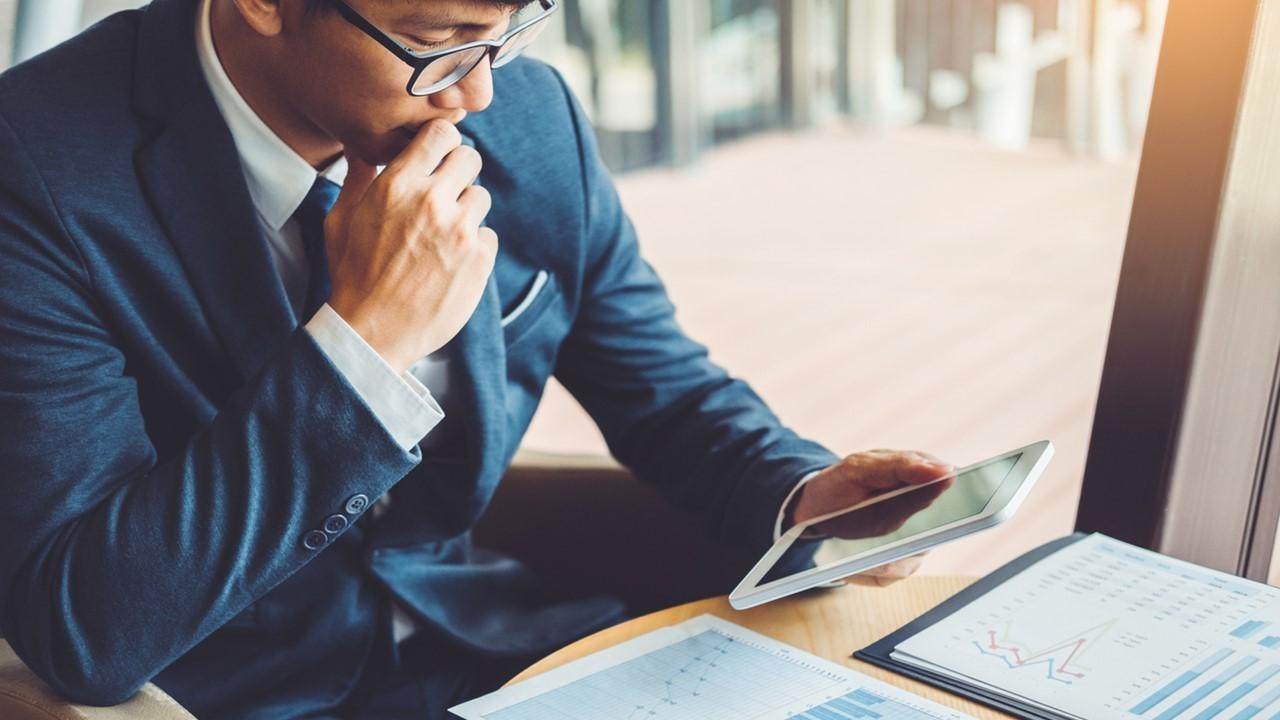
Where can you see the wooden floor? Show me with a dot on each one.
(911, 289)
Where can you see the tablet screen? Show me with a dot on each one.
(916, 511)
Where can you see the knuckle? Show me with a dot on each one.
(467, 154)
(395, 185)
(443, 131)
(459, 234)
(479, 196)
(437, 202)
(489, 240)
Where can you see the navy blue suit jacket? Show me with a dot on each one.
(168, 435)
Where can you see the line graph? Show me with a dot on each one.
(1060, 659)
(702, 664)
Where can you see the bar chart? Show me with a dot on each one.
(1181, 681)
(1217, 695)
(1242, 701)
(1204, 690)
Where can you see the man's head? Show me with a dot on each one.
(319, 80)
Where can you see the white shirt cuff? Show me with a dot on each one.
(782, 511)
(403, 405)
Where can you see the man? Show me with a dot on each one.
(247, 420)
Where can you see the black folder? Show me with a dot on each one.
(878, 653)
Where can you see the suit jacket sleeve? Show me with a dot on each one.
(115, 561)
(666, 411)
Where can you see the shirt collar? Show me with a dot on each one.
(278, 178)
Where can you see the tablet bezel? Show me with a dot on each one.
(1002, 505)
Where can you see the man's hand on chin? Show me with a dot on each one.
(860, 477)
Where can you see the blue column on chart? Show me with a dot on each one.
(1257, 706)
(1204, 690)
(1231, 698)
(1180, 682)
(1245, 631)
(861, 704)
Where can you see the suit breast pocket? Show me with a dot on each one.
(533, 304)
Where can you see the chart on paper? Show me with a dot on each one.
(704, 669)
(1106, 630)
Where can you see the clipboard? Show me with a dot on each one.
(879, 652)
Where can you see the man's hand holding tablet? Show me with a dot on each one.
(874, 513)
(859, 478)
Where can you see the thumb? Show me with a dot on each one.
(360, 175)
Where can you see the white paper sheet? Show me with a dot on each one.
(1102, 629)
(702, 669)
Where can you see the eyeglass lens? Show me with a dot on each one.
(448, 69)
(516, 44)
(451, 68)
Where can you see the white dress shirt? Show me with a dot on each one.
(279, 180)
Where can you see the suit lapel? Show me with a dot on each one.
(217, 236)
(191, 173)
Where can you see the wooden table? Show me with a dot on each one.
(828, 623)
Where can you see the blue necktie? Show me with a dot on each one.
(310, 216)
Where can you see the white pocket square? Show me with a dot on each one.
(539, 282)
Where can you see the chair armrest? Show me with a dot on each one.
(587, 525)
(23, 696)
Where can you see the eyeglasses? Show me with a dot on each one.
(437, 70)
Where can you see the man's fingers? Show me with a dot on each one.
(934, 460)
(863, 476)
(475, 202)
(423, 154)
(886, 471)
(457, 171)
(360, 175)
(489, 239)
(898, 568)
(910, 503)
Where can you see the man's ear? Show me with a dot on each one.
(265, 17)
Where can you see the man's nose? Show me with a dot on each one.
(472, 93)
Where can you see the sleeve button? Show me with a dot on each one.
(335, 524)
(314, 540)
(356, 504)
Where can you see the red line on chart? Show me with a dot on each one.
(1019, 660)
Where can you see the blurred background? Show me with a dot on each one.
(901, 220)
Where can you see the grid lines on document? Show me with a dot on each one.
(710, 676)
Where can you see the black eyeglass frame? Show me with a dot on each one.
(419, 61)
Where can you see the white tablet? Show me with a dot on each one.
(894, 525)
